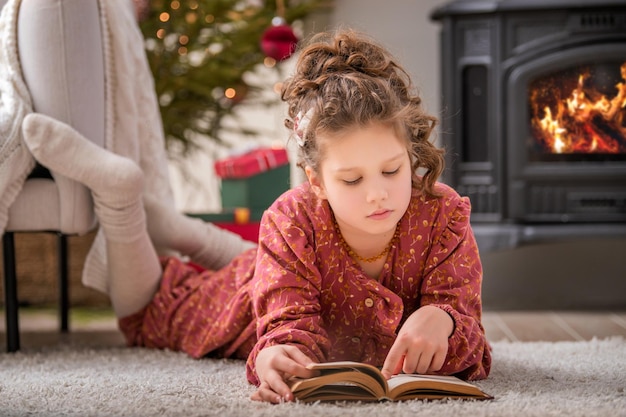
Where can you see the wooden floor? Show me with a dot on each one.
(39, 328)
(552, 326)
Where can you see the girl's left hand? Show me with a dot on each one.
(422, 343)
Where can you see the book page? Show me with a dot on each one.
(432, 386)
(340, 380)
(348, 366)
(437, 380)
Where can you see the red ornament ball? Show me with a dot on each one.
(279, 42)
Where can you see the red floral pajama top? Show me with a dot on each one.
(302, 288)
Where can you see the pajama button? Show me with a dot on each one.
(356, 339)
(369, 302)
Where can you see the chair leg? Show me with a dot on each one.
(10, 293)
(63, 284)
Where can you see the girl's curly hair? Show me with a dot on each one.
(348, 80)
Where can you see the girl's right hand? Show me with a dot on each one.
(274, 365)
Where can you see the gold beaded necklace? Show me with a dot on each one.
(371, 259)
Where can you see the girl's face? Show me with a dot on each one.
(365, 175)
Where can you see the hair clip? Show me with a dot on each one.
(301, 125)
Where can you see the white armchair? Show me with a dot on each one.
(60, 52)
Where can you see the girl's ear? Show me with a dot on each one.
(316, 183)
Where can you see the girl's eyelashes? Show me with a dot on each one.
(358, 180)
(352, 182)
(395, 171)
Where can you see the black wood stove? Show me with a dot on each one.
(534, 116)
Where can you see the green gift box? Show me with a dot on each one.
(257, 192)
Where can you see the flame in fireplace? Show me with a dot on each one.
(577, 118)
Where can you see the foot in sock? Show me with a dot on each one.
(62, 149)
(116, 182)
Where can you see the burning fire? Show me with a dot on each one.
(578, 118)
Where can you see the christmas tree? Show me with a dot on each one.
(200, 52)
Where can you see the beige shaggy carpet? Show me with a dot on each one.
(528, 379)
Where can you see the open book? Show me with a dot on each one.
(344, 381)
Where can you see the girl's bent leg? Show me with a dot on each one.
(116, 185)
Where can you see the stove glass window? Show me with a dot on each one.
(579, 113)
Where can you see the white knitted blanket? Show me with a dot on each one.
(133, 124)
(16, 161)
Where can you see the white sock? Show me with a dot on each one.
(116, 185)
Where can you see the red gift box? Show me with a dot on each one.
(251, 163)
(248, 231)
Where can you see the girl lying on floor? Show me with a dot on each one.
(366, 261)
